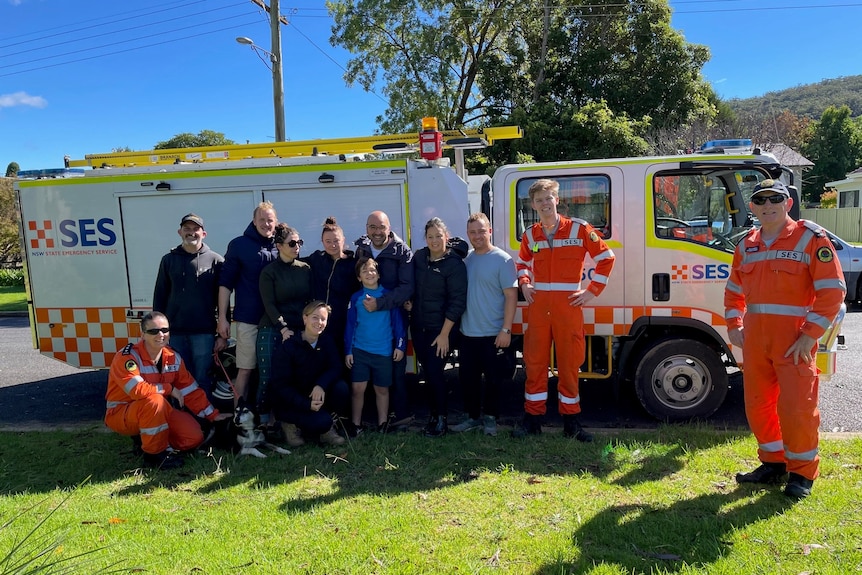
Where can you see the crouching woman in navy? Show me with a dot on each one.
(307, 388)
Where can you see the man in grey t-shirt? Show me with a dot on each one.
(486, 326)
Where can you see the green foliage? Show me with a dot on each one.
(12, 170)
(808, 101)
(11, 277)
(503, 62)
(835, 147)
(829, 199)
(189, 140)
(10, 245)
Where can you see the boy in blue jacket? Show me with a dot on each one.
(372, 341)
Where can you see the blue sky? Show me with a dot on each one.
(85, 77)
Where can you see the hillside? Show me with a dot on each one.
(809, 100)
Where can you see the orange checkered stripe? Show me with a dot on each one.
(85, 337)
(618, 320)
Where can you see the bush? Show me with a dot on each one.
(11, 277)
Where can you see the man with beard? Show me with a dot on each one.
(187, 292)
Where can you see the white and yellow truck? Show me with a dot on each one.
(92, 243)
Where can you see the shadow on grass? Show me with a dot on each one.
(691, 533)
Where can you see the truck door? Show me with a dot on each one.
(150, 224)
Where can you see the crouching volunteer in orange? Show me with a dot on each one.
(550, 265)
(144, 377)
(784, 290)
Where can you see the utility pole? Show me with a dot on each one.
(275, 18)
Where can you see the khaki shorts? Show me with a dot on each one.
(246, 345)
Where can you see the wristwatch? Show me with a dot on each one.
(506, 331)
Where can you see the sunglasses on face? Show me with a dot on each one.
(157, 330)
(294, 243)
(760, 200)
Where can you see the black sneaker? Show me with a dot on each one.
(768, 473)
(165, 460)
(572, 428)
(798, 487)
(383, 427)
(137, 446)
(351, 430)
(530, 425)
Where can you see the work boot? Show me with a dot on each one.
(137, 445)
(291, 435)
(489, 425)
(331, 437)
(798, 487)
(767, 473)
(530, 425)
(167, 459)
(436, 427)
(572, 428)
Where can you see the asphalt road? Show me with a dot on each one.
(39, 392)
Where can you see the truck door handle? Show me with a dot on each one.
(661, 287)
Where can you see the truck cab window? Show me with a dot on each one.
(585, 197)
(696, 207)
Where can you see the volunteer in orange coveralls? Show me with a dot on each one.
(142, 378)
(550, 264)
(784, 290)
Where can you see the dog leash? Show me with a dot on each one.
(226, 376)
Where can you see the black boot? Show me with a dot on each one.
(767, 473)
(531, 425)
(436, 427)
(572, 428)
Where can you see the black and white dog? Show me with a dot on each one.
(248, 436)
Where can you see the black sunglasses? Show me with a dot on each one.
(157, 330)
(294, 243)
(775, 199)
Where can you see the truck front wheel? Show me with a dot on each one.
(678, 379)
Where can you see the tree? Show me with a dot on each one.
(494, 62)
(10, 247)
(12, 170)
(835, 147)
(189, 140)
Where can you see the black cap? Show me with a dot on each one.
(194, 218)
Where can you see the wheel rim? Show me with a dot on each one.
(681, 382)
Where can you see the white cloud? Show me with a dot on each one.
(22, 99)
(15, 2)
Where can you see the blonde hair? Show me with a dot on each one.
(545, 185)
(267, 205)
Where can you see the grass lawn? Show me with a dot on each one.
(13, 298)
(633, 502)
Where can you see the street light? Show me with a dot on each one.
(277, 82)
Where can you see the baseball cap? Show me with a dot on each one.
(194, 218)
(771, 186)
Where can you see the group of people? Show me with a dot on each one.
(320, 328)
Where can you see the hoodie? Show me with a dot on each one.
(243, 262)
(187, 290)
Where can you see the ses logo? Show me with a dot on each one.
(702, 273)
(82, 237)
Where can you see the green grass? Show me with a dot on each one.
(659, 502)
(13, 298)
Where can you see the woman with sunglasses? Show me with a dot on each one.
(285, 288)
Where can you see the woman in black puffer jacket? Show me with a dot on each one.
(439, 299)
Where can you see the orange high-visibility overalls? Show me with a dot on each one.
(137, 400)
(555, 269)
(794, 286)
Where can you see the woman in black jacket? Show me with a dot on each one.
(307, 387)
(439, 299)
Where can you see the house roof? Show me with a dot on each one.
(788, 156)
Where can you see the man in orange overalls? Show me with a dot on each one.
(784, 291)
(142, 378)
(550, 264)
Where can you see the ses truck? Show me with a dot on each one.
(92, 243)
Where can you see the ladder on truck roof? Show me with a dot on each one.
(459, 140)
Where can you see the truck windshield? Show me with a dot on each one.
(586, 197)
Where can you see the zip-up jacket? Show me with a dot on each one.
(440, 286)
(797, 276)
(297, 367)
(333, 282)
(558, 266)
(187, 290)
(134, 376)
(396, 321)
(393, 266)
(245, 257)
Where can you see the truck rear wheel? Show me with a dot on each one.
(678, 379)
